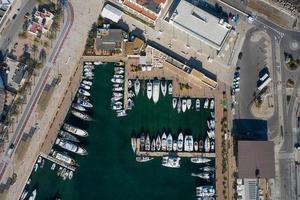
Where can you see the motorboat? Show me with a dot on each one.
(200, 160)
(156, 91)
(70, 147)
(117, 89)
(84, 86)
(207, 169)
(74, 130)
(188, 103)
(169, 142)
(24, 195)
(137, 86)
(122, 113)
(172, 162)
(211, 134)
(33, 195)
(174, 102)
(98, 63)
(206, 103)
(147, 143)
(163, 87)
(201, 145)
(70, 175)
(78, 107)
(67, 136)
(212, 114)
(39, 160)
(129, 84)
(149, 89)
(28, 182)
(142, 141)
(133, 144)
(130, 104)
(175, 145)
(164, 142)
(208, 124)
(205, 192)
(119, 72)
(117, 103)
(179, 105)
(36, 166)
(89, 83)
(212, 104)
(207, 145)
(117, 94)
(212, 145)
(158, 143)
(143, 158)
(196, 146)
(203, 175)
(197, 104)
(119, 68)
(212, 124)
(188, 143)
(183, 105)
(120, 63)
(62, 157)
(84, 92)
(89, 73)
(117, 80)
(131, 94)
(118, 76)
(180, 142)
(153, 145)
(80, 115)
(170, 88)
(116, 98)
(117, 107)
(53, 166)
(84, 103)
(87, 69)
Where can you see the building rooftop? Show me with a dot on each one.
(256, 159)
(109, 39)
(200, 24)
(112, 13)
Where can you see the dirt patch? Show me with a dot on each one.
(43, 101)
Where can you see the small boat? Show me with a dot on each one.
(178, 105)
(171, 162)
(119, 72)
(133, 144)
(121, 63)
(201, 145)
(164, 142)
(212, 124)
(169, 142)
(189, 103)
(207, 145)
(149, 89)
(70, 147)
(70, 175)
(183, 105)
(212, 145)
(53, 166)
(89, 73)
(129, 84)
(84, 103)
(117, 103)
(211, 134)
(80, 115)
(67, 136)
(36, 166)
(155, 95)
(142, 141)
(163, 87)
(206, 103)
(91, 67)
(117, 107)
(205, 192)
(131, 94)
(117, 89)
(84, 92)
(207, 169)
(118, 76)
(74, 130)
(117, 94)
(122, 113)
(212, 114)
(208, 124)
(88, 77)
(33, 195)
(197, 104)
(116, 98)
(203, 175)
(153, 145)
(89, 83)
(130, 104)
(200, 160)
(24, 195)
(143, 158)
(147, 143)
(28, 182)
(170, 88)
(180, 142)
(117, 80)
(137, 86)
(84, 86)
(98, 63)
(158, 143)
(78, 107)
(174, 102)
(188, 143)
(212, 104)
(39, 160)
(175, 145)
(87, 69)
(196, 146)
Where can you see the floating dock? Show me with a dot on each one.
(165, 153)
(58, 162)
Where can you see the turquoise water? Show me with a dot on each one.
(110, 171)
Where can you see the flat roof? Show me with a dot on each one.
(199, 24)
(256, 159)
(112, 13)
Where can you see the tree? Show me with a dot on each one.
(43, 55)
(34, 49)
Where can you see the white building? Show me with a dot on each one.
(112, 13)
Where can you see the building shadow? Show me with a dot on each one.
(250, 129)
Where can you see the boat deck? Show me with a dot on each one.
(165, 153)
(58, 162)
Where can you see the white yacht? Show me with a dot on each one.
(170, 88)
(188, 143)
(84, 86)
(89, 83)
(143, 158)
(74, 130)
(164, 142)
(207, 145)
(212, 104)
(163, 87)
(169, 142)
(200, 160)
(189, 103)
(149, 89)
(174, 103)
(133, 144)
(172, 162)
(78, 107)
(180, 142)
(80, 115)
(118, 76)
(117, 80)
(203, 175)
(98, 63)
(197, 104)
(137, 86)
(84, 103)
(206, 103)
(33, 195)
(207, 169)
(84, 92)
(183, 105)
(156, 91)
(158, 143)
(117, 94)
(179, 105)
(117, 89)
(64, 158)
(67, 136)
(70, 147)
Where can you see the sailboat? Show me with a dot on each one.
(155, 91)
(197, 104)
(164, 142)
(174, 102)
(149, 90)
(133, 144)
(212, 104)
(158, 143)
(178, 105)
(180, 142)
(169, 142)
(163, 87)
(206, 103)
(207, 145)
(189, 103)
(183, 105)
(153, 145)
(137, 86)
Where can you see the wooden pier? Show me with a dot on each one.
(58, 162)
(165, 153)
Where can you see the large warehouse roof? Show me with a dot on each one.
(199, 24)
(112, 13)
